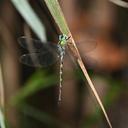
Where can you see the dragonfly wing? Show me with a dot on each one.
(39, 59)
(85, 46)
(33, 45)
(90, 62)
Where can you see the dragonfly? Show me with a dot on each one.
(43, 54)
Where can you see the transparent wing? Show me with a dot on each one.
(85, 46)
(41, 54)
(33, 45)
(90, 62)
(39, 59)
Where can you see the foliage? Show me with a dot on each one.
(39, 80)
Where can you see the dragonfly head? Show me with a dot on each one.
(63, 39)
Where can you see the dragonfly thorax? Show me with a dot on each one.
(63, 39)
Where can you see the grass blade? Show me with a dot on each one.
(58, 16)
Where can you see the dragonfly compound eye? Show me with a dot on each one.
(63, 37)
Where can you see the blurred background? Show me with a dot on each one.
(29, 96)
